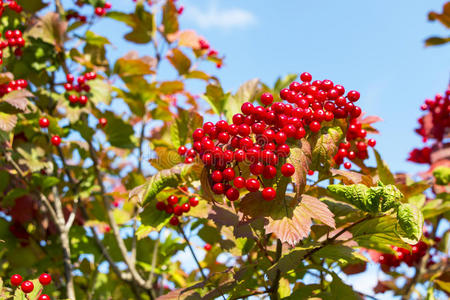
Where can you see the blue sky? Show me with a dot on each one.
(375, 47)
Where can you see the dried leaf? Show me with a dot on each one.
(50, 28)
(300, 158)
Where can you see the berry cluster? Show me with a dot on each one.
(420, 156)
(173, 207)
(14, 85)
(12, 5)
(204, 45)
(76, 16)
(258, 138)
(403, 255)
(28, 286)
(439, 114)
(15, 40)
(101, 11)
(77, 93)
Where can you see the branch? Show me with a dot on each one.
(420, 269)
(192, 251)
(274, 289)
(115, 228)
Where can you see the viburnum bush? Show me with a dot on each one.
(114, 171)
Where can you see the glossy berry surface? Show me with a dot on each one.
(27, 287)
(16, 279)
(45, 279)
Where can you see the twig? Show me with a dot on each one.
(115, 228)
(276, 282)
(192, 251)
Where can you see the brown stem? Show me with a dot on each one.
(276, 282)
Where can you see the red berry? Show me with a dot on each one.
(371, 142)
(16, 279)
(314, 126)
(172, 200)
(218, 188)
(347, 165)
(252, 185)
(287, 170)
(239, 182)
(68, 86)
(45, 279)
(207, 247)
(310, 172)
(103, 122)
(232, 194)
(193, 201)
(44, 297)
(70, 78)
(228, 174)
(186, 207)
(160, 206)
(280, 138)
(182, 150)
(216, 176)
(353, 96)
(269, 193)
(83, 99)
(266, 98)
(174, 221)
(56, 140)
(108, 5)
(44, 122)
(27, 287)
(305, 76)
(269, 172)
(247, 108)
(73, 99)
(99, 11)
(178, 210)
(198, 134)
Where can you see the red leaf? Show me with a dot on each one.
(292, 224)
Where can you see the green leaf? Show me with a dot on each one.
(51, 29)
(442, 175)
(141, 21)
(410, 219)
(7, 122)
(4, 180)
(95, 39)
(185, 124)
(170, 18)
(283, 82)
(377, 233)
(147, 192)
(215, 97)
(340, 253)
(246, 92)
(339, 290)
(152, 219)
(435, 207)
(171, 87)
(118, 132)
(436, 41)
(132, 65)
(101, 91)
(324, 146)
(179, 60)
(383, 170)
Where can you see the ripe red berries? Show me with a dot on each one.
(16, 279)
(269, 193)
(207, 247)
(44, 122)
(56, 140)
(103, 122)
(266, 98)
(44, 297)
(45, 279)
(287, 170)
(27, 287)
